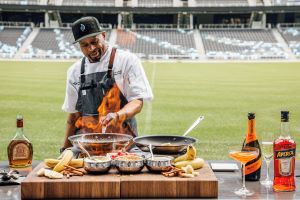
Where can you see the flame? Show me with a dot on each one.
(111, 103)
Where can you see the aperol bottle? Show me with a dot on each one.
(284, 157)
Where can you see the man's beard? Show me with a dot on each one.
(97, 58)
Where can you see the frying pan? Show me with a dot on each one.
(167, 144)
(164, 144)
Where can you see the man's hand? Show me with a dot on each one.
(105, 121)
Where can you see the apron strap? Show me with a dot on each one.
(82, 77)
(111, 62)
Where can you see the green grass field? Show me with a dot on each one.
(223, 92)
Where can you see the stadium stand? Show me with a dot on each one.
(286, 2)
(21, 2)
(160, 29)
(221, 3)
(89, 3)
(292, 37)
(11, 40)
(55, 44)
(159, 43)
(155, 3)
(241, 44)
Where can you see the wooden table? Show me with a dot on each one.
(228, 181)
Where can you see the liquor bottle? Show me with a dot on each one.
(20, 149)
(284, 149)
(253, 167)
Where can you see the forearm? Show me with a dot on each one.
(131, 109)
(70, 128)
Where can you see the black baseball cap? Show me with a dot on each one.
(85, 27)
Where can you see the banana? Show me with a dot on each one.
(66, 158)
(77, 163)
(196, 163)
(189, 155)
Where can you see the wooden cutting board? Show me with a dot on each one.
(113, 185)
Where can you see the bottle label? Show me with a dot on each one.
(251, 134)
(253, 167)
(20, 151)
(285, 158)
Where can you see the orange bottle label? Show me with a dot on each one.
(253, 167)
(251, 134)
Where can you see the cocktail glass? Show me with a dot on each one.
(267, 139)
(244, 155)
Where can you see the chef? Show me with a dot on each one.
(107, 85)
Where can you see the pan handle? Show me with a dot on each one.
(198, 120)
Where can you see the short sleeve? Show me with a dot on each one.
(136, 84)
(71, 95)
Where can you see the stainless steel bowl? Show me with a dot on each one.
(127, 165)
(98, 164)
(101, 144)
(159, 163)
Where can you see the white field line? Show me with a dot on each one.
(149, 104)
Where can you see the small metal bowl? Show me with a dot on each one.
(159, 163)
(97, 165)
(129, 164)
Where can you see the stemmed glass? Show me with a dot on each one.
(244, 155)
(267, 139)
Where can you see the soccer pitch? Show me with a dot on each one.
(223, 92)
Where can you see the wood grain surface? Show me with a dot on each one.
(113, 185)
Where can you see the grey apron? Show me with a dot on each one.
(99, 95)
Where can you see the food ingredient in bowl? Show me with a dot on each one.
(129, 158)
(120, 153)
(98, 159)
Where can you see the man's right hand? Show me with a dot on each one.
(105, 121)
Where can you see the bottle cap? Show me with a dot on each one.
(285, 116)
(251, 115)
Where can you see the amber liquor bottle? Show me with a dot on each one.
(20, 149)
(284, 148)
(253, 167)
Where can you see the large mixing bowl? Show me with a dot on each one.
(98, 144)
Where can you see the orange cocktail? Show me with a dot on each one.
(243, 156)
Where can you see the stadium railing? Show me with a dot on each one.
(162, 26)
(224, 26)
(17, 24)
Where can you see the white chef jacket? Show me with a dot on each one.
(127, 71)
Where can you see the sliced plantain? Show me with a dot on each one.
(53, 174)
(41, 172)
